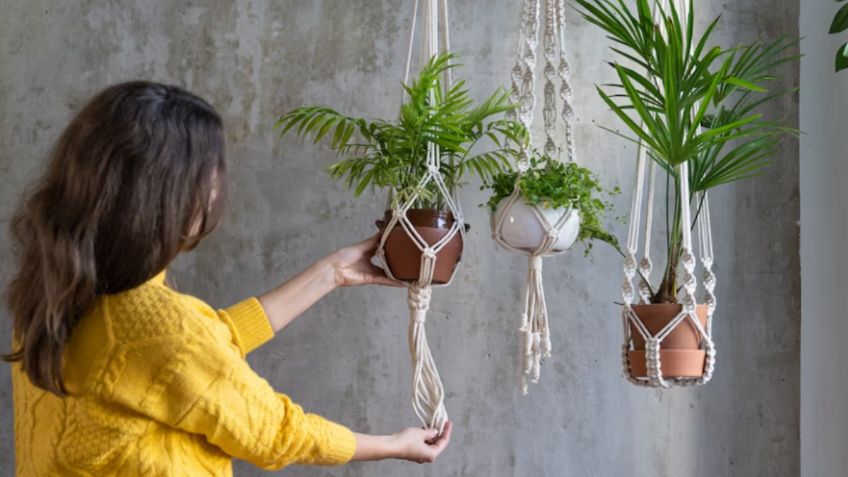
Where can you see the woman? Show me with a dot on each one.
(115, 372)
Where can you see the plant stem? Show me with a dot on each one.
(667, 292)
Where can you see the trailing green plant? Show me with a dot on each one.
(380, 153)
(840, 24)
(552, 185)
(689, 101)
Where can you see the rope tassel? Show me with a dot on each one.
(535, 335)
(428, 394)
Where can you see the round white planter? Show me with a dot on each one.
(521, 228)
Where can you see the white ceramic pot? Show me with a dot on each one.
(521, 228)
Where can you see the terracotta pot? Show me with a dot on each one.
(522, 230)
(680, 353)
(403, 256)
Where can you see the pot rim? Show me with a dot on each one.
(657, 306)
(533, 205)
(445, 214)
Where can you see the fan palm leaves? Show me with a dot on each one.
(689, 101)
(379, 153)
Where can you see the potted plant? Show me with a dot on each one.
(687, 102)
(393, 154)
(555, 187)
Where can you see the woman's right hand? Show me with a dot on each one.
(412, 444)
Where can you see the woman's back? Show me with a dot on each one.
(149, 387)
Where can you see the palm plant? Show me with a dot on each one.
(381, 153)
(688, 101)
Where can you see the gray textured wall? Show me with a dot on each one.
(347, 357)
(824, 377)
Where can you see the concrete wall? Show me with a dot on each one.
(824, 389)
(347, 357)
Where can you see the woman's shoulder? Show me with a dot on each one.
(153, 311)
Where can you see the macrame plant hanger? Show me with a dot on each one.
(653, 343)
(427, 391)
(534, 330)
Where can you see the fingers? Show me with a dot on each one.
(441, 441)
(368, 245)
(435, 443)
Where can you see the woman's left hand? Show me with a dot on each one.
(352, 265)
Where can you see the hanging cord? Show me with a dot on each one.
(523, 89)
(446, 41)
(646, 266)
(549, 46)
(566, 92)
(409, 50)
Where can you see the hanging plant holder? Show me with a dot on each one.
(435, 237)
(667, 344)
(517, 225)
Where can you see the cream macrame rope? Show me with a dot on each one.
(653, 343)
(427, 391)
(534, 330)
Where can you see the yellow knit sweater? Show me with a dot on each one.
(158, 385)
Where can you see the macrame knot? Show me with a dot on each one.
(546, 343)
(536, 263)
(516, 73)
(689, 304)
(627, 291)
(419, 298)
(709, 279)
(687, 259)
(630, 263)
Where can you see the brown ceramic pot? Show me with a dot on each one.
(403, 256)
(680, 353)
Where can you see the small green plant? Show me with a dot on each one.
(840, 24)
(688, 101)
(552, 185)
(379, 153)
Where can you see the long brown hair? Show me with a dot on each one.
(134, 179)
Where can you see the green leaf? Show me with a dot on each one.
(840, 21)
(745, 84)
(842, 57)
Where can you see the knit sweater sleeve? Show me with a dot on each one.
(248, 323)
(195, 378)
